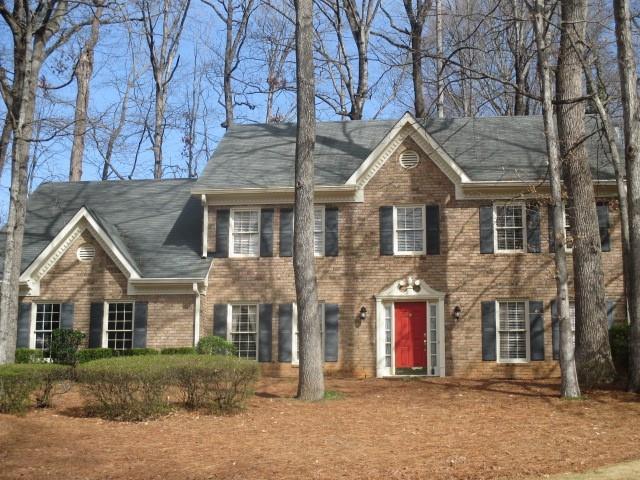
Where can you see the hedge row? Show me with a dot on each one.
(19, 382)
(27, 355)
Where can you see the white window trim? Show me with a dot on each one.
(34, 314)
(395, 231)
(230, 323)
(523, 206)
(567, 249)
(231, 228)
(295, 360)
(324, 227)
(527, 331)
(105, 320)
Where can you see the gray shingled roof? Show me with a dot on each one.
(156, 224)
(486, 148)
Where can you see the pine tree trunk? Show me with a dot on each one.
(311, 379)
(5, 140)
(416, 73)
(439, 62)
(593, 354)
(570, 387)
(228, 69)
(628, 80)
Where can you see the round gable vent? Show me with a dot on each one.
(409, 159)
(86, 253)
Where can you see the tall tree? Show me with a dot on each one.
(163, 22)
(631, 115)
(439, 61)
(570, 387)
(593, 354)
(37, 31)
(83, 72)
(235, 15)
(311, 377)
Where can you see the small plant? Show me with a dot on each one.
(333, 395)
(178, 351)
(29, 355)
(90, 354)
(619, 341)
(213, 345)
(64, 346)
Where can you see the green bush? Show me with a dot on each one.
(178, 351)
(126, 388)
(135, 352)
(619, 340)
(64, 346)
(29, 355)
(212, 345)
(18, 382)
(90, 354)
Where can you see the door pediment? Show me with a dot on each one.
(409, 287)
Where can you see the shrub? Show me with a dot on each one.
(178, 351)
(90, 354)
(212, 345)
(126, 388)
(18, 382)
(135, 352)
(29, 355)
(619, 340)
(64, 346)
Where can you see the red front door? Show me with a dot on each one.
(411, 328)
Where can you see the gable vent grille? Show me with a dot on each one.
(409, 159)
(86, 253)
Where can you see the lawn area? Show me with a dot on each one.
(432, 428)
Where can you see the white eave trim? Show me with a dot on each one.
(273, 195)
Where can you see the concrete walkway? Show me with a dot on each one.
(621, 471)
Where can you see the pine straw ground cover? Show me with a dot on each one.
(431, 429)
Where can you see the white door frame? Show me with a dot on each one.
(408, 290)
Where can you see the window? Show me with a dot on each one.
(245, 233)
(47, 320)
(409, 230)
(119, 332)
(244, 328)
(388, 332)
(512, 331)
(318, 231)
(510, 227)
(295, 348)
(568, 226)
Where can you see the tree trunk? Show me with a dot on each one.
(593, 354)
(570, 387)
(229, 56)
(311, 379)
(628, 80)
(5, 140)
(439, 62)
(158, 128)
(83, 73)
(416, 72)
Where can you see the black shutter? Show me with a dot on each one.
(536, 330)
(486, 230)
(96, 315)
(603, 224)
(140, 315)
(433, 229)
(222, 233)
(220, 320)
(24, 325)
(611, 307)
(285, 321)
(533, 228)
(265, 318)
(331, 337)
(386, 230)
(488, 331)
(552, 234)
(286, 232)
(555, 329)
(66, 316)
(331, 232)
(266, 232)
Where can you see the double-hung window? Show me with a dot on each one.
(318, 231)
(510, 227)
(568, 226)
(119, 326)
(47, 320)
(409, 230)
(244, 330)
(245, 232)
(295, 347)
(513, 331)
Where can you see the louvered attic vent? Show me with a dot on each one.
(409, 159)
(86, 253)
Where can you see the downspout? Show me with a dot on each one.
(196, 315)
(205, 225)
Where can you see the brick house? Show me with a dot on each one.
(433, 250)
